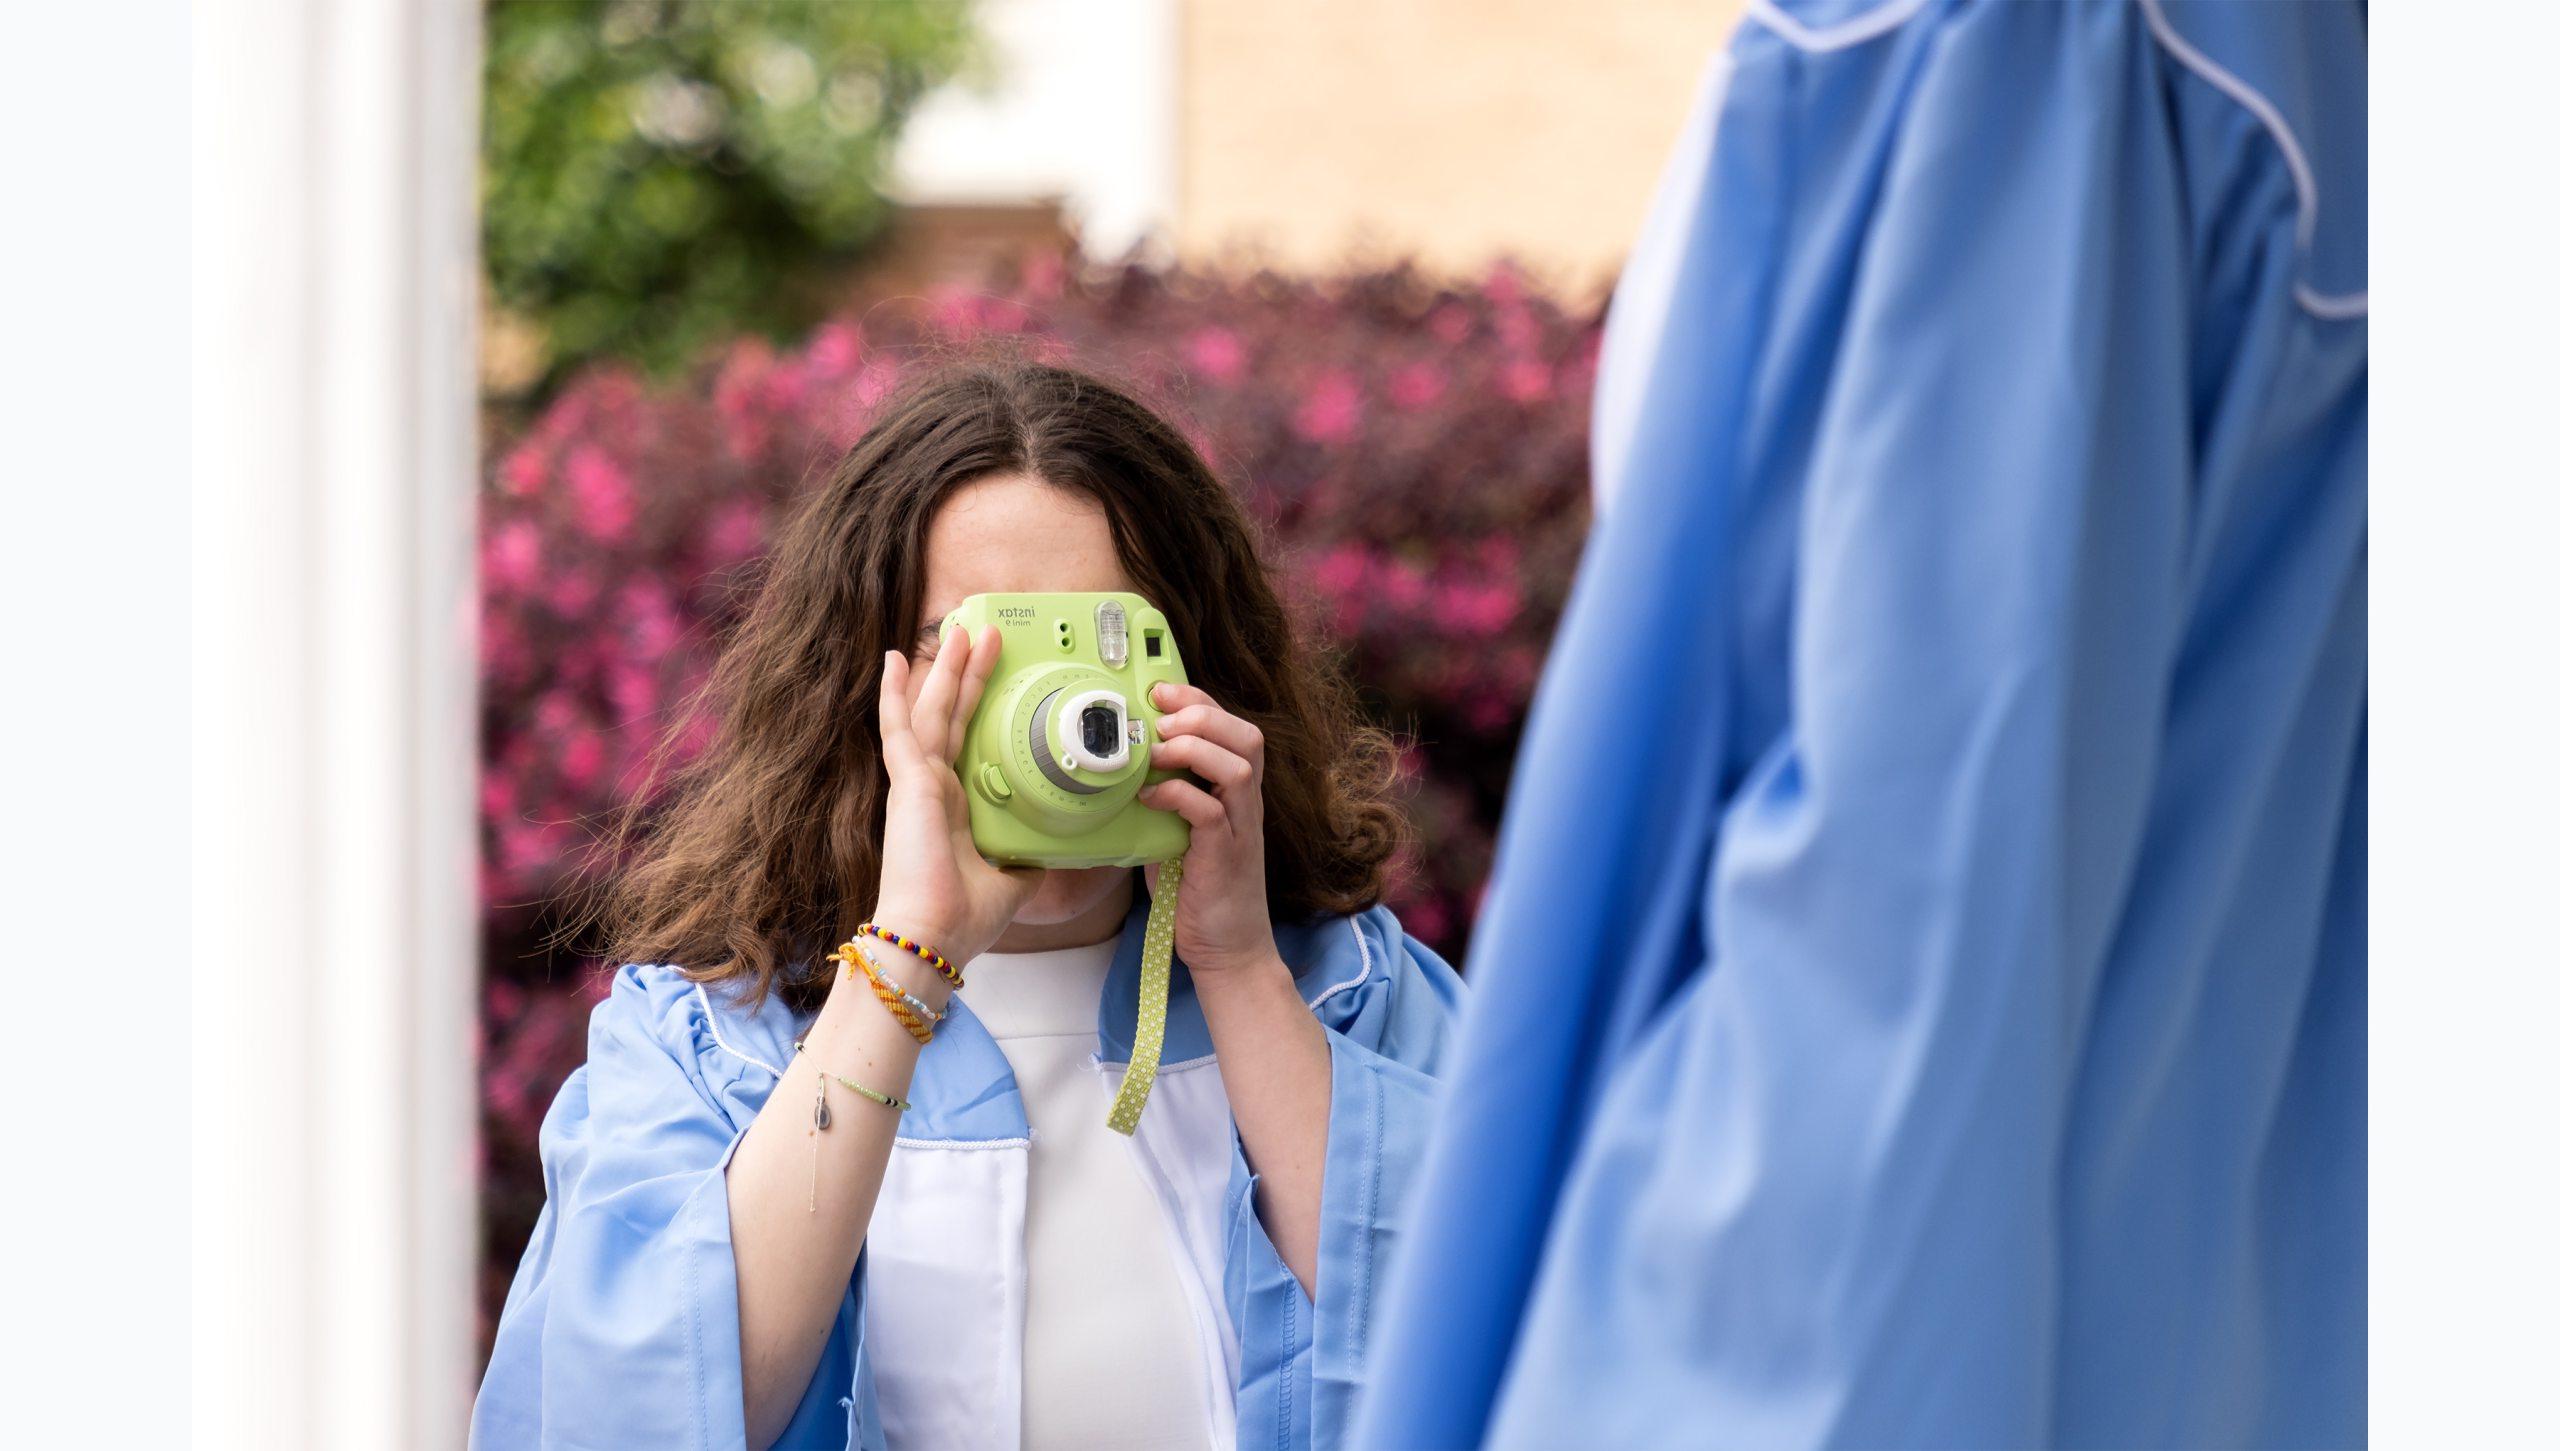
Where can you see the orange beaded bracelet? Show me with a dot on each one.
(912, 1012)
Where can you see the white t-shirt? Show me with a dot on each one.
(1105, 1293)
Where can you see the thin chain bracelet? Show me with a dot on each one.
(823, 1118)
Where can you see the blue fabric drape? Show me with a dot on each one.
(1921, 999)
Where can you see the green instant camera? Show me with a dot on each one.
(1061, 740)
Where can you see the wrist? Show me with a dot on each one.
(953, 939)
(1260, 964)
(927, 928)
(903, 971)
(918, 949)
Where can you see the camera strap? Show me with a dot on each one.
(1155, 985)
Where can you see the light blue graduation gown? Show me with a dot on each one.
(1921, 1001)
(621, 1329)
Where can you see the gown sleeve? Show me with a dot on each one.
(1899, 934)
(1304, 1360)
(621, 1328)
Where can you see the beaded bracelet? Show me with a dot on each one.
(913, 1013)
(823, 1118)
(932, 959)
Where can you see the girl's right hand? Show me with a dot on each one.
(934, 887)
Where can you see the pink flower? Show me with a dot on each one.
(1478, 609)
(735, 387)
(522, 473)
(844, 421)
(784, 387)
(1526, 380)
(735, 533)
(582, 760)
(959, 310)
(633, 691)
(1417, 385)
(1342, 570)
(573, 593)
(1331, 410)
(1218, 353)
(649, 618)
(834, 349)
(512, 556)
(602, 492)
(505, 658)
(556, 714)
(876, 382)
(1044, 275)
(1403, 586)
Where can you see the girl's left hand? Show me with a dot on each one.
(1223, 920)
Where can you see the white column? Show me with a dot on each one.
(333, 957)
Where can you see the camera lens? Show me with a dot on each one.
(1100, 726)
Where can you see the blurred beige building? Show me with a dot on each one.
(1324, 132)
(1458, 131)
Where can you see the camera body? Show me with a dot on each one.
(1063, 738)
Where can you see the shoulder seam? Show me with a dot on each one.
(2306, 188)
(711, 1020)
(1822, 39)
(1366, 963)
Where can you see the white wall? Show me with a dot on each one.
(1077, 102)
(332, 959)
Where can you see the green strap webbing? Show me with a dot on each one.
(1155, 984)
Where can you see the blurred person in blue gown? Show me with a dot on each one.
(1922, 997)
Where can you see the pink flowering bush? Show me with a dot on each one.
(1415, 452)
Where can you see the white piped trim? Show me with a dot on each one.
(2307, 215)
(1833, 37)
(1886, 18)
(1366, 963)
(2256, 104)
(712, 1021)
(1101, 1064)
(2334, 309)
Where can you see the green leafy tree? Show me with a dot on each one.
(660, 173)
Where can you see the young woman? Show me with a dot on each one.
(990, 1266)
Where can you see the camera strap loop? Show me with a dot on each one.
(1155, 986)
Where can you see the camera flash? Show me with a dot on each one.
(1111, 632)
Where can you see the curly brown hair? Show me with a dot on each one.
(766, 853)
